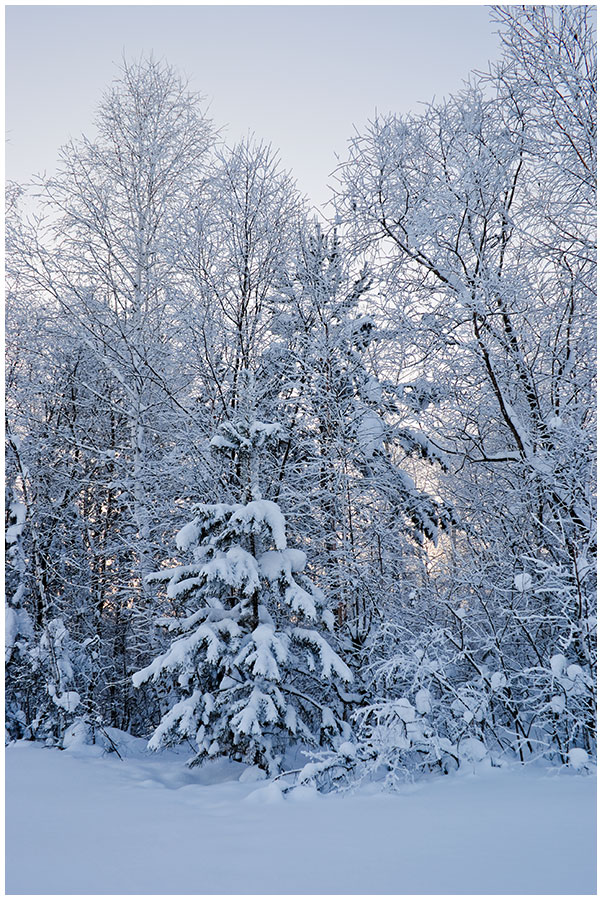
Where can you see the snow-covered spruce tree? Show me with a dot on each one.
(250, 672)
(348, 474)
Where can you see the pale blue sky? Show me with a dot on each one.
(300, 77)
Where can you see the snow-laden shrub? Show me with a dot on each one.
(395, 740)
(42, 700)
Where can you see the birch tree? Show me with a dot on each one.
(104, 260)
(237, 241)
(480, 216)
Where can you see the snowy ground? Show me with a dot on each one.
(80, 823)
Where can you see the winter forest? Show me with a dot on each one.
(312, 493)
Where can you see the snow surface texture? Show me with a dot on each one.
(80, 822)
